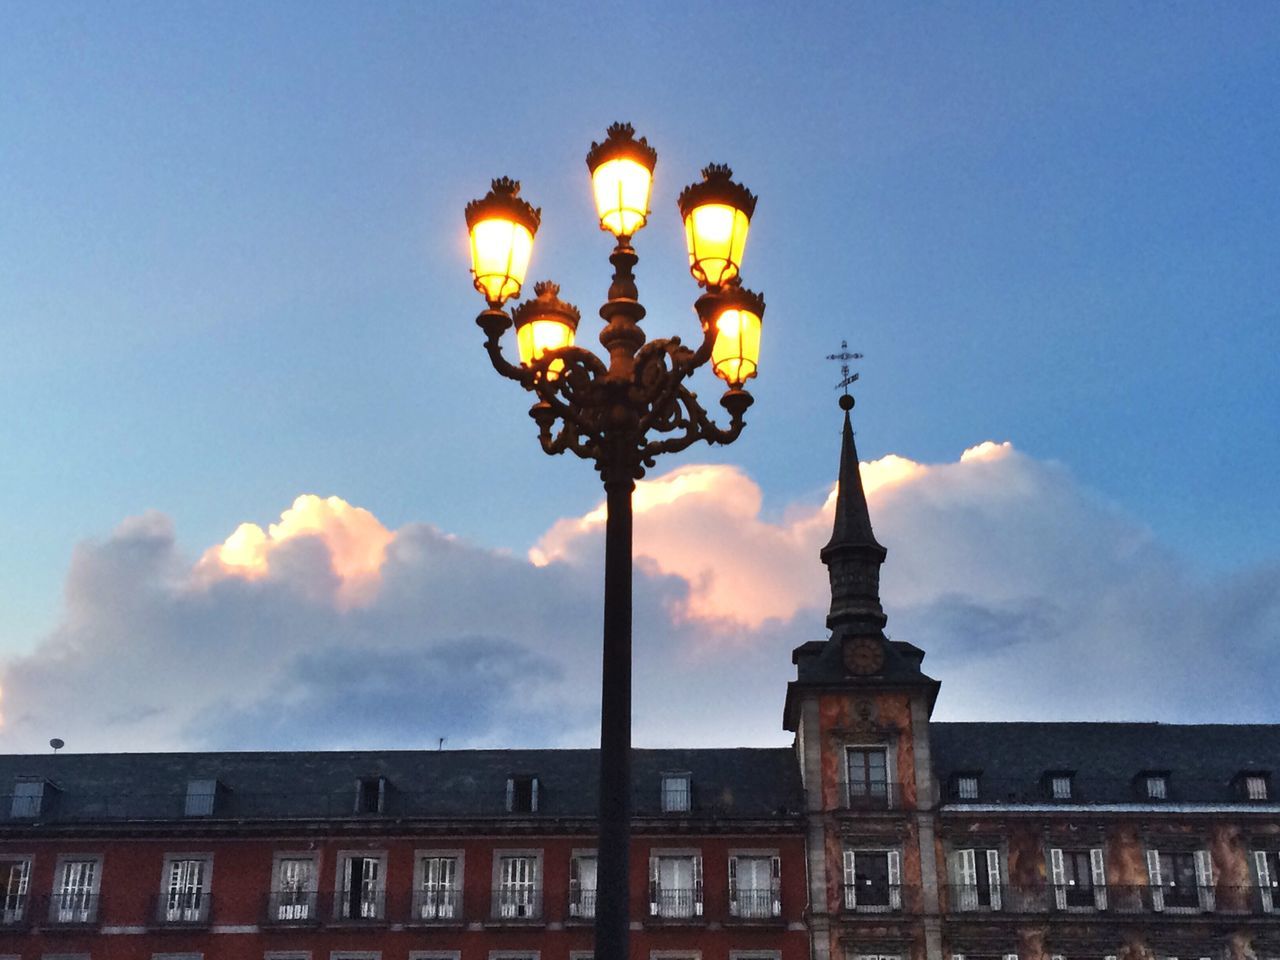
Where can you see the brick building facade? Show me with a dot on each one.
(881, 836)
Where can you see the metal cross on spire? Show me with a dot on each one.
(844, 356)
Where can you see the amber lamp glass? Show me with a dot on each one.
(736, 353)
(622, 179)
(716, 213)
(545, 323)
(502, 227)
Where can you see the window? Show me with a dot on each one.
(186, 890)
(975, 879)
(868, 776)
(675, 885)
(200, 798)
(177, 956)
(1079, 878)
(519, 892)
(438, 886)
(15, 878)
(755, 886)
(287, 955)
(293, 890)
(1266, 864)
(434, 955)
(872, 880)
(966, 786)
(582, 886)
(1060, 786)
(522, 794)
(75, 898)
(513, 955)
(371, 795)
(1180, 880)
(677, 793)
(361, 890)
(1157, 786)
(356, 955)
(28, 799)
(1255, 786)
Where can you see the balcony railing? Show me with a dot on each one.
(292, 908)
(436, 906)
(191, 908)
(358, 908)
(1111, 899)
(880, 898)
(13, 911)
(582, 904)
(67, 909)
(517, 903)
(870, 795)
(675, 903)
(755, 904)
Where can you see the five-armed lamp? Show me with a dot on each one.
(623, 413)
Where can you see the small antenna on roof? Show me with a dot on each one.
(440, 745)
(57, 743)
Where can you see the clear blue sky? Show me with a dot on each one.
(233, 265)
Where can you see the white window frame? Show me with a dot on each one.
(1256, 787)
(201, 798)
(658, 906)
(893, 875)
(676, 791)
(1061, 786)
(967, 786)
(962, 867)
(534, 786)
(1205, 882)
(13, 911)
(355, 955)
(890, 769)
(435, 955)
(516, 907)
(579, 910)
(340, 903)
(58, 913)
(308, 910)
(675, 955)
(515, 954)
(27, 803)
(177, 912)
(774, 857)
(1097, 879)
(439, 911)
(1157, 786)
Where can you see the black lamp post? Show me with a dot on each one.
(624, 413)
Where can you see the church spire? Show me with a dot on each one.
(853, 555)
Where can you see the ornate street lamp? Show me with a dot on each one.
(620, 414)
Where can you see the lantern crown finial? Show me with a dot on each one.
(547, 303)
(503, 200)
(620, 143)
(717, 186)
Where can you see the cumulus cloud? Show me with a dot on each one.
(1033, 600)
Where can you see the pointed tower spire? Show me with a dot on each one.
(853, 555)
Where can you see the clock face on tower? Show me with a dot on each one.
(863, 656)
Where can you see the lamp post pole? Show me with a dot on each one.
(624, 413)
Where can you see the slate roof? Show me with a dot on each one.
(728, 784)
(1202, 760)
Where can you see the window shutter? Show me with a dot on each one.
(850, 884)
(994, 878)
(697, 886)
(575, 887)
(967, 879)
(533, 801)
(895, 879)
(733, 886)
(382, 794)
(1098, 867)
(511, 794)
(1264, 881)
(1059, 873)
(1157, 886)
(655, 887)
(775, 884)
(1204, 879)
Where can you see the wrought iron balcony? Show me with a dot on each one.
(675, 903)
(515, 904)
(356, 908)
(189, 908)
(582, 905)
(66, 910)
(755, 904)
(870, 795)
(880, 898)
(292, 908)
(1112, 899)
(14, 914)
(436, 907)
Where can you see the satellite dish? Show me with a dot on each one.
(57, 744)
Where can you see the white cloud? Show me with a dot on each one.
(1032, 599)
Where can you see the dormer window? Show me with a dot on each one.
(371, 794)
(1058, 784)
(28, 798)
(522, 793)
(201, 796)
(1255, 785)
(965, 786)
(1156, 786)
(677, 792)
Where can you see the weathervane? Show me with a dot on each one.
(844, 356)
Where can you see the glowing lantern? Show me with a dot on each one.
(545, 323)
(736, 353)
(501, 226)
(716, 213)
(622, 178)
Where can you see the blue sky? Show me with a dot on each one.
(233, 264)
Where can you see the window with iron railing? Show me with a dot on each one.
(361, 896)
(186, 896)
(519, 892)
(675, 886)
(582, 887)
(75, 899)
(438, 896)
(1079, 878)
(15, 878)
(868, 783)
(873, 880)
(293, 898)
(975, 879)
(755, 886)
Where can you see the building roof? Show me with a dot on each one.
(727, 784)
(1108, 760)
